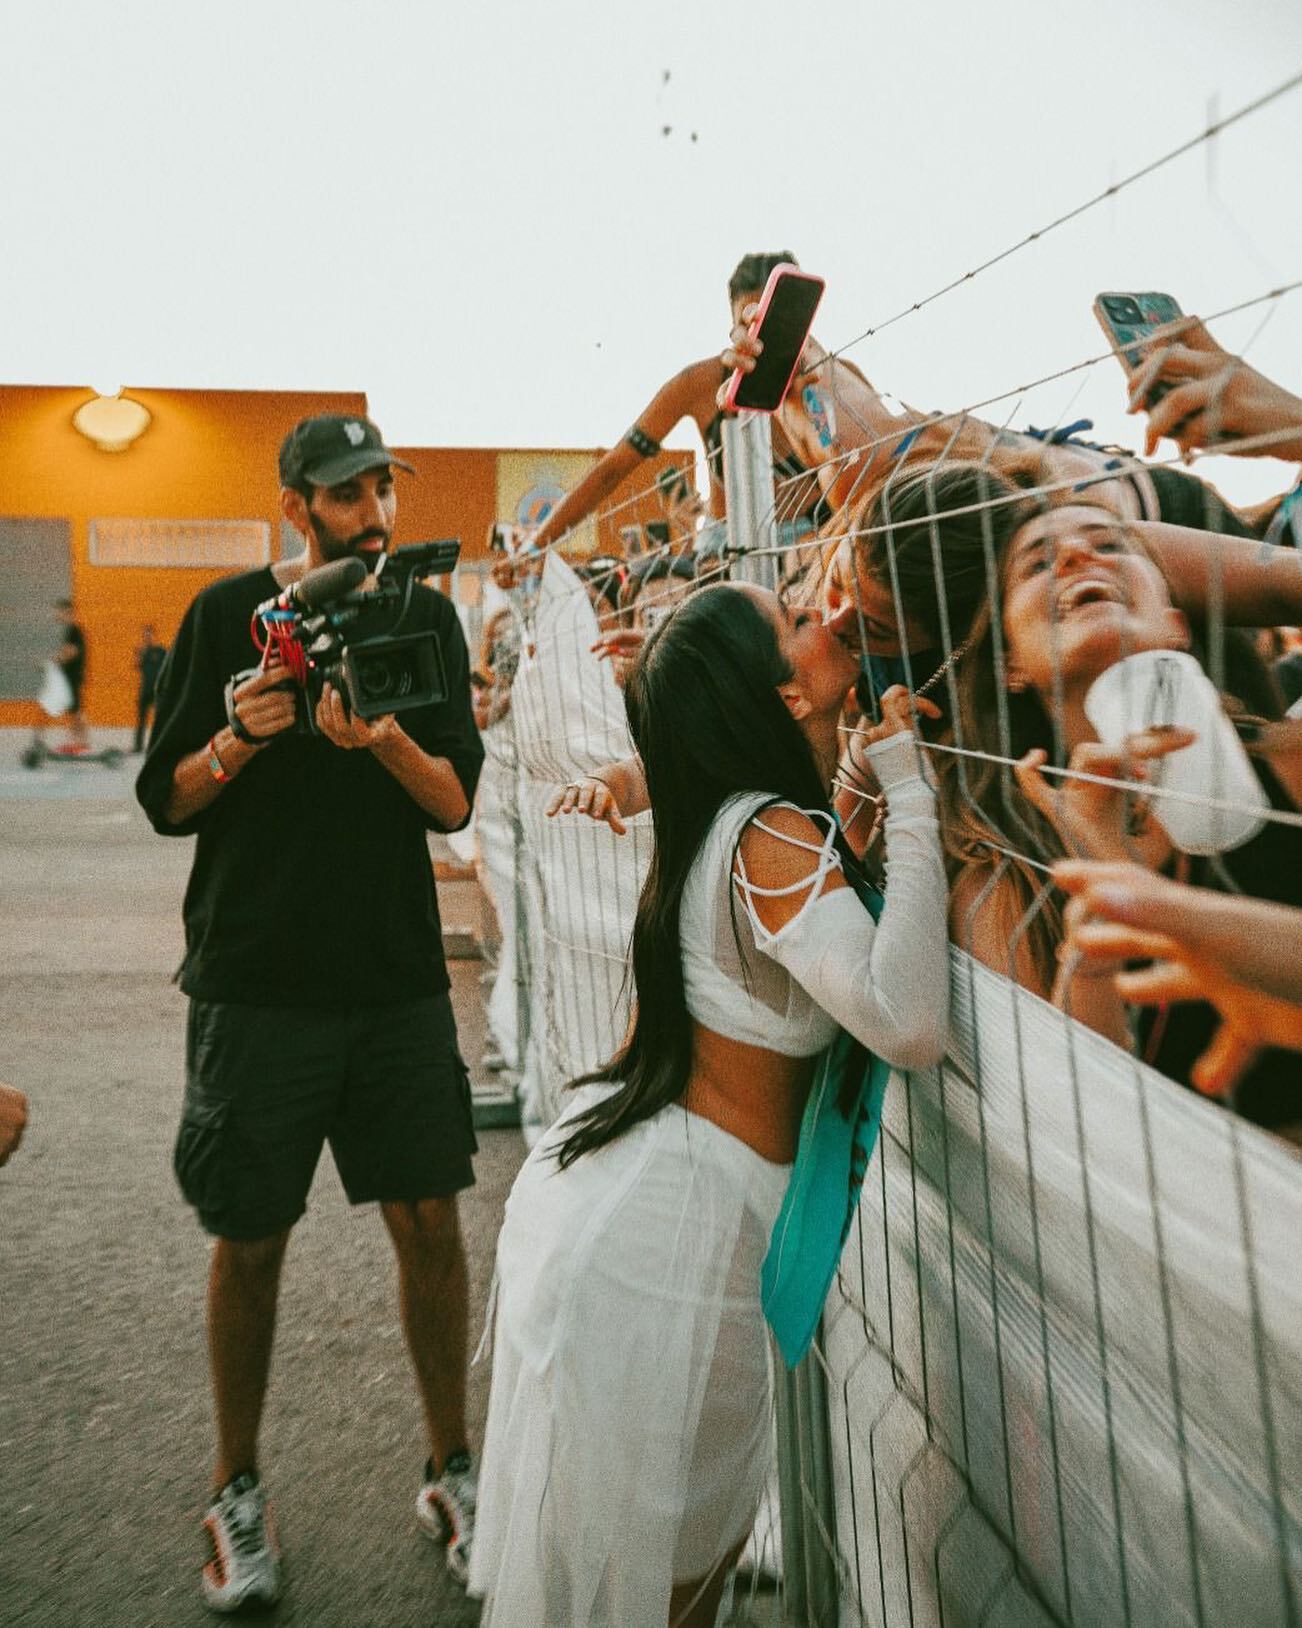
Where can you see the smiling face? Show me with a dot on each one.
(1079, 595)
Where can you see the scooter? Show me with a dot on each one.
(36, 752)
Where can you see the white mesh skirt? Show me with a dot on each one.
(629, 1426)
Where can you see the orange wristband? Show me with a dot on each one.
(215, 768)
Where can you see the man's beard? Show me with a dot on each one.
(342, 548)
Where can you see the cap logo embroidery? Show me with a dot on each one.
(355, 433)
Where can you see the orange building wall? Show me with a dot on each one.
(452, 494)
(635, 500)
(209, 454)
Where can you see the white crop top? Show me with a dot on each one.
(831, 965)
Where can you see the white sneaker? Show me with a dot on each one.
(445, 1509)
(245, 1567)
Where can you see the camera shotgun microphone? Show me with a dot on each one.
(317, 588)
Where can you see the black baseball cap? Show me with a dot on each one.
(333, 448)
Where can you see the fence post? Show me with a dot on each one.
(805, 1492)
(748, 489)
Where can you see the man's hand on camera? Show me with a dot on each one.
(346, 729)
(265, 703)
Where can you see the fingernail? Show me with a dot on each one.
(1111, 897)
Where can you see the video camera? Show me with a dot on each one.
(327, 629)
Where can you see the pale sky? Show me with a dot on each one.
(472, 211)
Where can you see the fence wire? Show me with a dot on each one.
(1059, 1376)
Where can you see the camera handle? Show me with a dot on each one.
(233, 718)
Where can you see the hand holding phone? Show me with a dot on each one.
(1130, 319)
(781, 327)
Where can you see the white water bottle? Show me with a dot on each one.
(1221, 804)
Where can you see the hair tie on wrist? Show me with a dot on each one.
(642, 443)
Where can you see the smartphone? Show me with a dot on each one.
(782, 324)
(1125, 318)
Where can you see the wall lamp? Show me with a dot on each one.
(111, 420)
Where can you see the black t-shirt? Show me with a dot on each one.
(74, 666)
(312, 883)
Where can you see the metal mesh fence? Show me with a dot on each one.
(1059, 1377)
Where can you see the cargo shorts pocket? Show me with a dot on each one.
(198, 1157)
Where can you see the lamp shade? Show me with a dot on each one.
(112, 422)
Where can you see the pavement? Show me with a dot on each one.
(105, 1428)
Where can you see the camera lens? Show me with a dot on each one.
(374, 679)
(1123, 309)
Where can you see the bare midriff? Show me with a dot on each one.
(758, 1096)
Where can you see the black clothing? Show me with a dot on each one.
(312, 883)
(1288, 675)
(1267, 867)
(149, 663)
(1185, 500)
(267, 1086)
(74, 666)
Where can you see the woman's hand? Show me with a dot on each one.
(1099, 821)
(592, 797)
(620, 648)
(900, 712)
(1212, 397)
(1206, 953)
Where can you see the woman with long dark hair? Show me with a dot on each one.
(629, 1428)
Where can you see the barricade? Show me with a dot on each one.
(1057, 1380)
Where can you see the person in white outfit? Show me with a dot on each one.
(629, 1432)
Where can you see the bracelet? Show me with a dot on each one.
(215, 769)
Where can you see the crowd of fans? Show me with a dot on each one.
(1001, 573)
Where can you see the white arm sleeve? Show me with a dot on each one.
(886, 982)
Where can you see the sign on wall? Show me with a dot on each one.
(220, 544)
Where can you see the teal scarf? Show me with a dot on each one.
(823, 1192)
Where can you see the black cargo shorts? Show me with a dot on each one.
(266, 1086)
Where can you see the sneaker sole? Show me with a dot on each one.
(433, 1521)
(251, 1601)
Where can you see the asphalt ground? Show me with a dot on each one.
(105, 1424)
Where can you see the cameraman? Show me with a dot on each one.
(319, 1005)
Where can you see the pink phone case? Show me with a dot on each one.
(778, 276)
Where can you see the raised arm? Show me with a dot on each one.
(1258, 584)
(689, 394)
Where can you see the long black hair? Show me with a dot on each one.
(708, 722)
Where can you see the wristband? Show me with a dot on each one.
(215, 769)
(642, 443)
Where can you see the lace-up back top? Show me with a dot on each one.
(830, 964)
